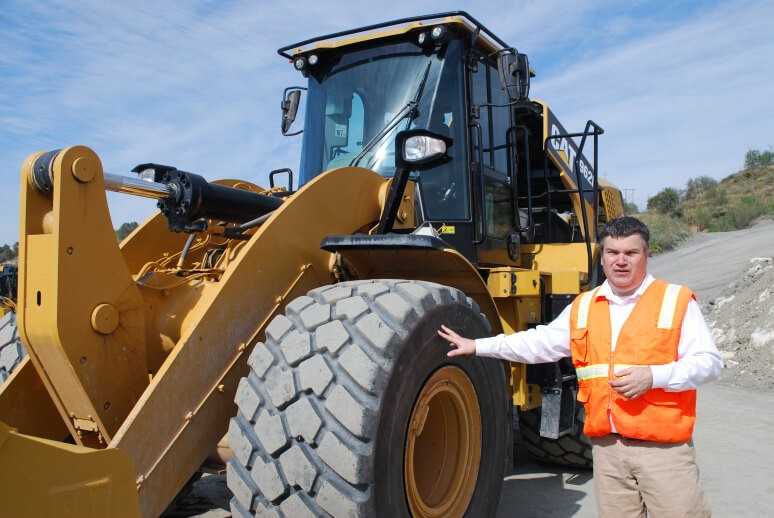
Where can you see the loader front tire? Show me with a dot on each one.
(12, 350)
(352, 408)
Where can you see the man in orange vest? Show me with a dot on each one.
(640, 347)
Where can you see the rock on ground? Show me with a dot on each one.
(742, 323)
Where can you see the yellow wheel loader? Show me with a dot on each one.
(287, 336)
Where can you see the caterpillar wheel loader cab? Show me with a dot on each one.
(292, 334)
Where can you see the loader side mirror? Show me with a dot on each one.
(291, 97)
(514, 72)
(419, 149)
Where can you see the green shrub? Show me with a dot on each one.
(126, 229)
(757, 158)
(701, 217)
(666, 232)
(630, 207)
(698, 186)
(739, 214)
(667, 201)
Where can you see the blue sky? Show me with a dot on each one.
(682, 88)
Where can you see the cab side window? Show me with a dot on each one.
(495, 122)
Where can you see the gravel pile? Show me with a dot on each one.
(742, 323)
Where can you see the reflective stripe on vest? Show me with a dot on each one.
(599, 370)
(668, 307)
(584, 306)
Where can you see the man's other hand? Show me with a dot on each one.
(459, 344)
(632, 382)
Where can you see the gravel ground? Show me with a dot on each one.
(742, 322)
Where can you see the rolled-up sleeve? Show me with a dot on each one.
(698, 359)
(542, 344)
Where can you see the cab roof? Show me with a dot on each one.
(393, 28)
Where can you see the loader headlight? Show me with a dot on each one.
(421, 149)
(299, 63)
(313, 59)
(438, 33)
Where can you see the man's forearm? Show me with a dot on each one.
(687, 373)
(543, 344)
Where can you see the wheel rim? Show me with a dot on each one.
(443, 446)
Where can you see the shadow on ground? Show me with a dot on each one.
(534, 490)
(209, 497)
(530, 490)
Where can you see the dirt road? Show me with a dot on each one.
(734, 427)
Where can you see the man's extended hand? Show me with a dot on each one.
(632, 382)
(460, 344)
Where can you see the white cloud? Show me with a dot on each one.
(678, 103)
(198, 87)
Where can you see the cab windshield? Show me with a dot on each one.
(350, 102)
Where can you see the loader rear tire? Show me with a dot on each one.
(12, 350)
(352, 408)
(572, 450)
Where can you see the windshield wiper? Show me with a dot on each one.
(409, 109)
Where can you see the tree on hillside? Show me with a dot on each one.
(630, 207)
(698, 186)
(8, 253)
(667, 201)
(126, 229)
(757, 158)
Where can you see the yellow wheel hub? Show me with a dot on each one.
(443, 446)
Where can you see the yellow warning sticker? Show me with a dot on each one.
(447, 229)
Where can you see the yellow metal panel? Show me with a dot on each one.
(26, 405)
(562, 283)
(529, 310)
(501, 284)
(612, 202)
(70, 264)
(513, 282)
(447, 267)
(558, 257)
(525, 395)
(185, 410)
(47, 478)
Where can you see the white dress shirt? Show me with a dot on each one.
(698, 359)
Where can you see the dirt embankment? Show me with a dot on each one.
(733, 276)
(742, 322)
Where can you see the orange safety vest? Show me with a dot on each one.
(649, 336)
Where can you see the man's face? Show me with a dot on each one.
(625, 262)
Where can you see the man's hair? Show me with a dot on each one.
(625, 226)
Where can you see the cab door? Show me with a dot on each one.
(491, 159)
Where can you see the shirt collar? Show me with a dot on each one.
(607, 292)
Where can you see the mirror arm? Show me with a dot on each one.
(394, 197)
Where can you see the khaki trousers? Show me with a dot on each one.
(638, 479)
